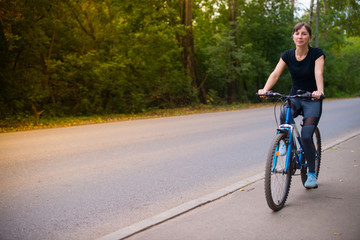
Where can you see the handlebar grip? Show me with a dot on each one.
(309, 95)
(268, 94)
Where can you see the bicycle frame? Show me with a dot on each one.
(290, 128)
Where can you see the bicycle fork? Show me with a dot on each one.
(288, 129)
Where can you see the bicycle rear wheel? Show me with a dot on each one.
(317, 144)
(277, 181)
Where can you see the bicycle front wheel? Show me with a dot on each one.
(317, 145)
(277, 180)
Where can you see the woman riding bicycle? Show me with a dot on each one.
(306, 66)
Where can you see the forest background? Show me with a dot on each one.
(66, 58)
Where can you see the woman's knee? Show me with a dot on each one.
(295, 111)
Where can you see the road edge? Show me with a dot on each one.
(188, 206)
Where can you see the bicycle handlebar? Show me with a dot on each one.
(301, 94)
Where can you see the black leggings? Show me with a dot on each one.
(311, 110)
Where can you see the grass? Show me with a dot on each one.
(25, 124)
(30, 123)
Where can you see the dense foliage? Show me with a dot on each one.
(83, 57)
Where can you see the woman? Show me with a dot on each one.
(306, 65)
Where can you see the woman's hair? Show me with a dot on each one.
(300, 25)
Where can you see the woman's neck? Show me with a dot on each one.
(301, 52)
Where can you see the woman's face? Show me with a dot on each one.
(301, 37)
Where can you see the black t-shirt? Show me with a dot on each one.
(302, 72)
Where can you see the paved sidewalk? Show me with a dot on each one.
(330, 212)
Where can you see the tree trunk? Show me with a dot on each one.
(232, 85)
(48, 59)
(188, 53)
(36, 114)
(292, 4)
(311, 12)
(317, 24)
(325, 21)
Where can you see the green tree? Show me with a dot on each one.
(82, 57)
(342, 69)
(28, 35)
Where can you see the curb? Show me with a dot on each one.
(188, 206)
(341, 140)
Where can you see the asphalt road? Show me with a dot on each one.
(84, 182)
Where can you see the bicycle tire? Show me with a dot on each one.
(317, 143)
(277, 183)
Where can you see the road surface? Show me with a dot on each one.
(84, 182)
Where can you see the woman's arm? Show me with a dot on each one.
(274, 77)
(319, 70)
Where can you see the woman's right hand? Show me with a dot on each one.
(262, 92)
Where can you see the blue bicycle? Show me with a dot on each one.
(286, 155)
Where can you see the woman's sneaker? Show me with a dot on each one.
(310, 181)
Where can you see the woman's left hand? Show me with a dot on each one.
(317, 94)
